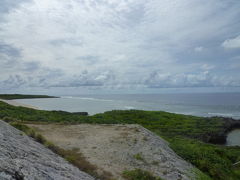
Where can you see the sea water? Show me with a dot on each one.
(198, 104)
(233, 138)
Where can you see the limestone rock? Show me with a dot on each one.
(23, 158)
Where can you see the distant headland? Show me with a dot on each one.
(23, 96)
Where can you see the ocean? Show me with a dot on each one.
(198, 104)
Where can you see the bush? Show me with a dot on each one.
(9, 119)
(186, 134)
(139, 174)
(139, 157)
(210, 159)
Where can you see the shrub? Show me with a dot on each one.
(139, 157)
(186, 134)
(139, 174)
(9, 119)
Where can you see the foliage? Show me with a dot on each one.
(139, 157)
(22, 96)
(184, 133)
(139, 174)
(214, 160)
(199, 175)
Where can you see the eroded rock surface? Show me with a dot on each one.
(116, 148)
(23, 158)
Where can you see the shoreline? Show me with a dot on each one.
(188, 136)
(219, 138)
(17, 104)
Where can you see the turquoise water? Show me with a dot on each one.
(233, 138)
(199, 104)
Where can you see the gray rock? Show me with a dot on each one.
(23, 158)
(116, 148)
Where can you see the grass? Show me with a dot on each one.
(139, 157)
(187, 135)
(200, 175)
(216, 161)
(139, 174)
(22, 96)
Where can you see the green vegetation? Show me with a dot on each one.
(186, 134)
(214, 160)
(22, 96)
(139, 174)
(139, 157)
(200, 175)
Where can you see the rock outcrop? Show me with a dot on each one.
(116, 148)
(229, 124)
(23, 158)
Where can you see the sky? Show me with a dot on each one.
(118, 45)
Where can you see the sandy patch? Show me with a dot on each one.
(115, 148)
(14, 103)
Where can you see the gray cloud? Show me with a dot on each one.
(42, 78)
(115, 44)
(9, 56)
(232, 43)
(86, 79)
(70, 41)
(202, 79)
(12, 82)
(9, 50)
(7, 6)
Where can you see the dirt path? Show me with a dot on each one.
(115, 148)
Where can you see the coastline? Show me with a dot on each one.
(190, 137)
(17, 104)
(195, 105)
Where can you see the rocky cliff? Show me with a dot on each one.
(23, 158)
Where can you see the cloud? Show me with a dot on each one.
(207, 67)
(201, 79)
(85, 79)
(110, 43)
(9, 56)
(13, 81)
(7, 6)
(9, 50)
(198, 49)
(232, 43)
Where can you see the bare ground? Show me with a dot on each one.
(115, 148)
(23, 158)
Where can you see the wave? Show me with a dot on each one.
(221, 114)
(87, 98)
(129, 107)
(66, 97)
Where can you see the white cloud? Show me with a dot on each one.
(118, 43)
(207, 67)
(232, 43)
(201, 79)
(198, 49)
